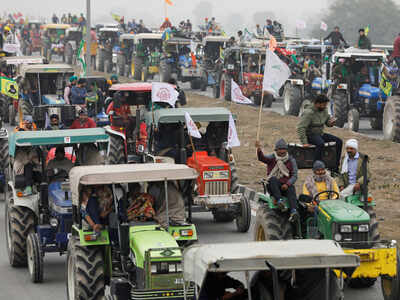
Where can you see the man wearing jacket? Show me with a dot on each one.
(281, 175)
(78, 92)
(396, 50)
(363, 41)
(310, 129)
(351, 176)
(336, 37)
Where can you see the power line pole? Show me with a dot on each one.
(88, 37)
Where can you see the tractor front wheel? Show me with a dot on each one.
(353, 118)
(340, 108)
(243, 221)
(291, 99)
(391, 119)
(35, 258)
(117, 151)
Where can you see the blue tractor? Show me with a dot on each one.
(40, 221)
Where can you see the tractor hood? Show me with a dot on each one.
(155, 240)
(342, 212)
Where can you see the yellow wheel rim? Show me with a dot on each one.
(142, 76)
(132, 69)
(260, 236)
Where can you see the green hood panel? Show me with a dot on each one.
(343, 212)
(144, 238)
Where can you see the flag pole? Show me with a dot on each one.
(259, 116)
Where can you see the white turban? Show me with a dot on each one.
(352, 143)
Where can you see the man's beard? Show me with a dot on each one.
(321, 108)
(319, 178)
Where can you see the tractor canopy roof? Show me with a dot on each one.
(56, 26)
(383, 47)
(74, 29)
(46, 68)
(215, 39)
(246, 50)
(252, 256)
(148, 36)
(21, 60)
(132, 87)
(109, 29)
(198, 114)
(127, 173)
(178, 41)
(127, 36)
(359, 54)
(56, 137)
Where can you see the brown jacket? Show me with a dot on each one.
(343, 179)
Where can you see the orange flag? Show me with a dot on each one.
(169, 2)
(272, 43)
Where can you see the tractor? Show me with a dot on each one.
(217, 186)
(358, 95)
(95, 101)
(53, 40)
(350, 222)
(108, 48)
(41, 222)
(129, 258)
(124, 53)
(34, 44)
(146, 56)
(42, 93)
(4, 158)
(244, 65)
(73, 38)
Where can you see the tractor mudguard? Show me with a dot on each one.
(31, 202)
(356, 200)
(183, 232)
(271, 201)
(109, 130)
(102, 239)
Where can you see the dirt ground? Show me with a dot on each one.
(384, 157)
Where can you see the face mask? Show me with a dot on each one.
(321, 108)
(319, 178)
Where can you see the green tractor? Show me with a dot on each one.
(351, 222)
(134, 260)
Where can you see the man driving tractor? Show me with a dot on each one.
(59, 163)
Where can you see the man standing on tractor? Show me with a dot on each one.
(336, 37)
(363, 40)
(55, 123)
(396, 50)
(281, 176)
(351, 175)
(166, 24)
(68, 87)
(79, 93)
(83, 121)
(310, 129)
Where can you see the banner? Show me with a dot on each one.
(237, 95)
(191, 127)
(9, 87)
(169, 2)
(272, 43)
(81, 57)
(233, 140)
(324, 26)
(276, 73)
(164, 92)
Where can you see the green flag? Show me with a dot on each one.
(81, 57)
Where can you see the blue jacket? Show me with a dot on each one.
(78, 95)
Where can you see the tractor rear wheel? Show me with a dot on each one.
(391, 119)
(5, 115)
(291, 99)
(20, 223)
(4, 162)
(121, 62)
(195, 84)
(271, 225)
(165, 71)
(138, 63)
(35, 258)
(268, 99)
(117, 151)
(340, 108)
(225, 87)
(12, 115)
(101, 61)
(390, 286)
(26, 108)
(85, 272)
(353, 118)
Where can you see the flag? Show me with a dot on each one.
(166, 34)
(191, 127)
(164, 92)
(81, 57)
(9, 87)
(366, 29)
(116, 17)
(272, 43)
(221, 53)
(300, 24)
(233, 140)
(324, 26)
(237, 95)
(169, 2)
(276, 72)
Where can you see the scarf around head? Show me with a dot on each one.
(280, 170)
(313, 179)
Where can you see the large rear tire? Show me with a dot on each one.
(391, 119)
(340, 108)
(291, 100)
(271, 225)
(85, 272)
(101, 61)
(165, 71)
(268, 99)
(226, 87)
(20, 222)
(353, 118)
(121, 62)
(243, 221)
(5, 109)
(12, 115)
(4, 162)
(117, 151)
(138, 66)
(195, 84)
(35, 258)
(26, 108)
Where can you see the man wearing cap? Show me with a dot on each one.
(55, 123)
(320, 181)
(83, 121)
(78, 92)
(310, 129)
(58, 163)
(68, 87)
(351, 176)
(281, 175)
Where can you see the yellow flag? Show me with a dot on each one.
(116, 17)
(169, 2)
(9, 87)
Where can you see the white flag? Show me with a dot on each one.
(164, 92)
(233, 140)
(191, 127)
(237, 95)
(276, 72)
(324, 26)
(300, 24)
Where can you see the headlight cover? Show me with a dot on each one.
(345, 228)
(363, 228)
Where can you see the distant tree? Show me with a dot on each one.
(351, 15)
(262, 16)
(202, 10)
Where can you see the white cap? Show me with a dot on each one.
(352, 143)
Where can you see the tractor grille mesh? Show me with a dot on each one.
(216, 188)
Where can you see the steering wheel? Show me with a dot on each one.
(329, 195)
(57, 174)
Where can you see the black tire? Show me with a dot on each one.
(85, 272)
(195, 84)
(359, 283)
(340, 108)
(234, 179)
(291, 100)
(391, 119)
(35, 258)
(101, 61)
(5, 114)
(271, 225)
(257, 100)
(373, 225)
(243, 221)
(4, 162)
(390, 286)
(12, 114)
(165, 71)
(226, 87)
(117, 151)
(268, 99)
(69, 54)
(20, 222)
(203, 82)
(222, 216)
(216, 91)
(376, 123)
(138, 63)
(353, 118)
(145, 74)
(26, 108)
(121, 62)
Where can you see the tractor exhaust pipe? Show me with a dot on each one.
(365, 181)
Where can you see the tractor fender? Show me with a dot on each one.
(31, 202)
(111, 131)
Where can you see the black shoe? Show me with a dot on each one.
(281, 205)
(294, 217)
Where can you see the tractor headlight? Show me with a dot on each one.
(345, 228)
(53, 222)
(338, 237)
(224, 175)
(231, 67)
(208, 175)
(163, 268)
(363, 228)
